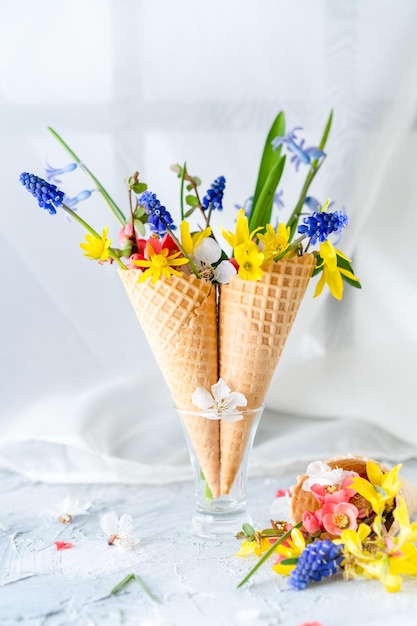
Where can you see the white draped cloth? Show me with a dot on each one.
(140, 85)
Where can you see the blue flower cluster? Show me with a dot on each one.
(47, 195)
(158, 217)
(317, 561)
(319, 226)
(214, 196)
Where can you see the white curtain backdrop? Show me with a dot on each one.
(140, 85)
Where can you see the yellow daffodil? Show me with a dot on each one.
(160, 264)
(275, 242)
(257, 547)
(290, 549)
(97, 248)
(332, 273)
(242, 234)
(249, 260)
(381, 488)
(190, 241)
(408, 532)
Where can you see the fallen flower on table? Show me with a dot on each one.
(141, 584)
(67, 508)
(119, 530)
(63, 545)
(352, 523)
(311, 624)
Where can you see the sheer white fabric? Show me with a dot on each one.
(140, 85)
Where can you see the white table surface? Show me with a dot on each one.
(194, 580)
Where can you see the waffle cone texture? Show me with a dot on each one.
(255, 320)
(242, 344)
(301, 501)
(178, 317)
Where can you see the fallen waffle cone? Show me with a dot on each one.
(255, 319)
(178, 317)
(301, 501)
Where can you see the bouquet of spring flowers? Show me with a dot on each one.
(217, 310)
(350, 517)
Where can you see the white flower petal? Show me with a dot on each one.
(231, 416)
(220, 390)
(236, 399)
(211, 415)
(125, 524)
(223, 272)
(109, 523)
(208, 251)
(202, 398)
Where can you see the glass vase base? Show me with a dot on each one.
(219, 525)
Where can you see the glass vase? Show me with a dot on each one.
(221, 511)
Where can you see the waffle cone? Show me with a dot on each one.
(301, 501)
(178, 317)
(255, 319)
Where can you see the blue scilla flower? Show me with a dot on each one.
(214, 196)
(82, 195)
(47, 195)
(300, 154)
(317, 561)
(319, 225)
(158, 217)
(52, 173)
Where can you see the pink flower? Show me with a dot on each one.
(125, 234)
(311, 624)
(282, 493)
(311, 523)
(339, 517)
(334, 493)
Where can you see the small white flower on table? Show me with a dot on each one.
(67, 508)
(221, 403)
(119, 530)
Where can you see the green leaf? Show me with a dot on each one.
(344, 264)
(196, 180)
(261, 213)
(189, 187)
(269, 156)
(248, 530)
(289, 562)
(177, 169)
(139, 212)
(139, 188)
(191, 201)
(139, 226)
(121, 584)
(189, 212)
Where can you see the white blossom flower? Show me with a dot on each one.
(319, 473)
(119, 530)
(67, 508)
(221, 403)
(206, 254)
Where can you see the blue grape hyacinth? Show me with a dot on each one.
(49, 197)
(317, 561)
(319, 225)
(158, 216)
(214, 196)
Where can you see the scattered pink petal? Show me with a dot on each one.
(282, 493)
(63, 545)
(311, 624)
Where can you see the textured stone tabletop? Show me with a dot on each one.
(193, 580)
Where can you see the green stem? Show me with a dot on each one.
(183, 174)
(293, 219)
(113, 206)
(91, 230)
(268, 554)
(141, 584)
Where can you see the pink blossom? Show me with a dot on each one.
(311, 624)
(339, 517)
(311, 523)
(125, 234)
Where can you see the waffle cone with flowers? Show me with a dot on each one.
(178, 317)
(255, 319)
(302, 501)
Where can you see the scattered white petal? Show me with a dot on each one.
(67, 508)
(119, 531)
